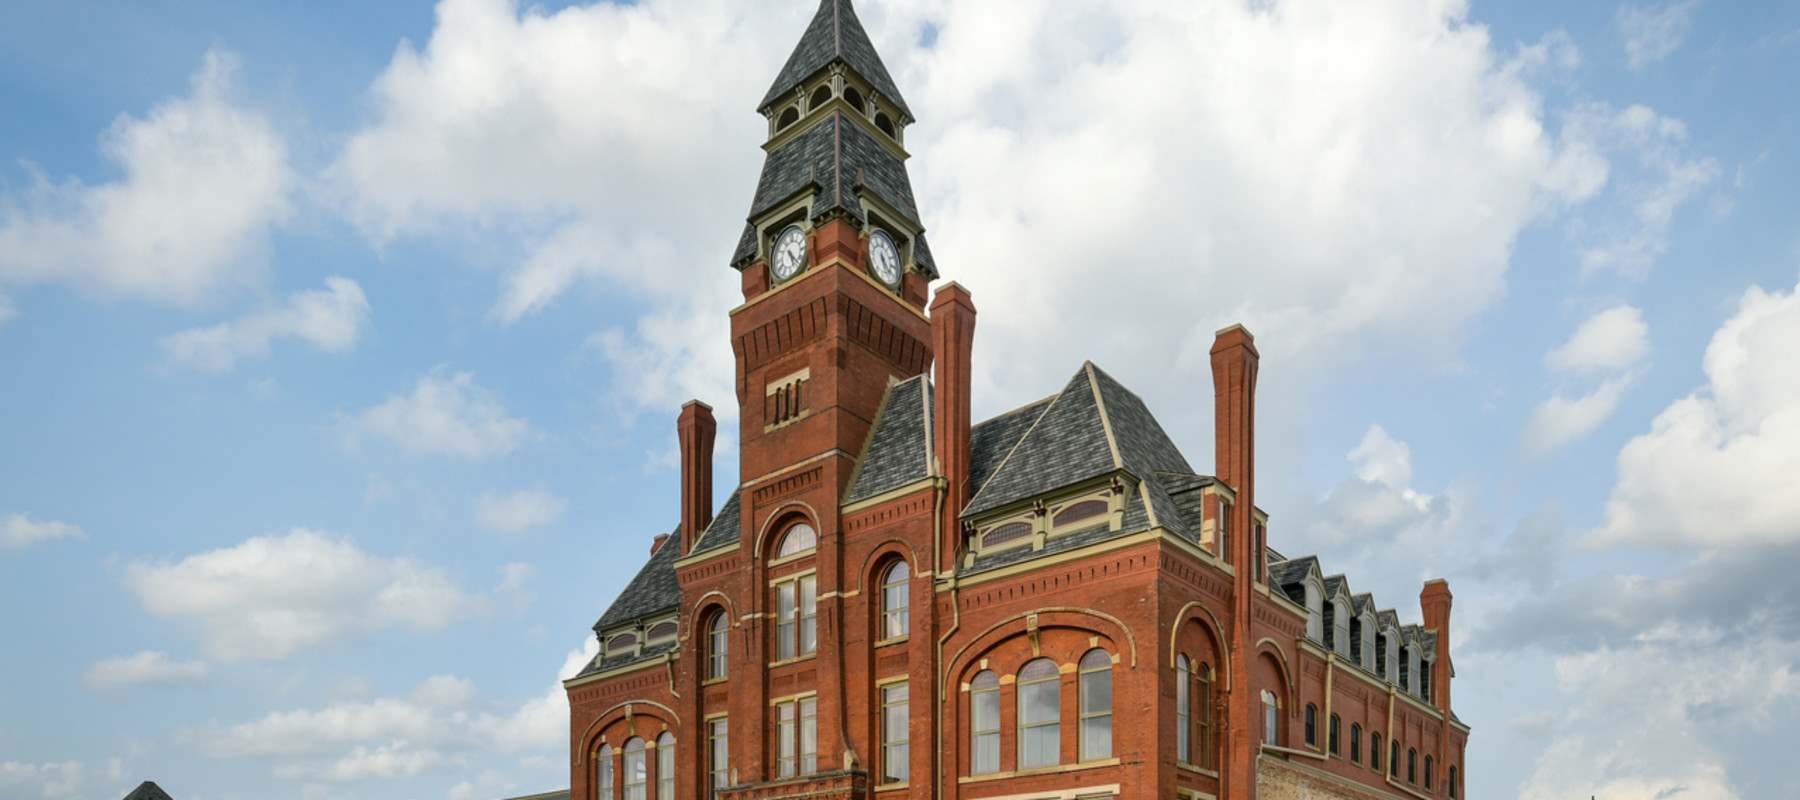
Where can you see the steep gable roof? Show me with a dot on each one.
(725, 528)
(654, 588)
(835, 34)
(148, 790)
(898, 451)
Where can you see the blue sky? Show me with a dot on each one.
(341, 346)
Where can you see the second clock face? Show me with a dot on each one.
(790, 253)
(884, 258)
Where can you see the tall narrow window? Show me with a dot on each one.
(984, 723)
(1452, 782)
(603, 773)
(1271, 717)
(1095, 685)
(1394, 757)
(1224, 531)
(895, 736)
(1312, 725)
(1374, 751)
(718, 754)
(718, 645)
(665, 766)
(1355, 743)
(796, 623)
(637, 771)
(1331, 734)
(895, 600)
(1412, 765)
(1203, 726)
(797, 737)
(1040, 714)
(1428, 773)
(1183, 716)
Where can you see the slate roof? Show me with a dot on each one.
(724, 530)
(1335, 584)
(899, 447)
(602, 664)
(1361, 603)
(558, 795)
(837, 158)
(835, 34)
(653, 590)
(1288, 574)
(148, 790)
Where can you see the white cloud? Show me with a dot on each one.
(63, 779)
(520, 510)
(1380, 459)
(331, 319)
(1560, 419)
(447, 417)
(1717, 467)
(147, 668)
(273, 595)
(18, 531)
(205, 180)
(1608, 341)
(441, 722)
(1652, 34)
(1666, 178)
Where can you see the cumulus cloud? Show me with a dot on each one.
(1717, 467)
(63, 779)
(18, 531)
(1611, 344)
(330, 319)
(446, 417)
(514, 513)
(274, 595)
(205, 180)
(147, 668)
(443, 721)
(1629, 236)
(1652, 33)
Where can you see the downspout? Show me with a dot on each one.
(1330, 670)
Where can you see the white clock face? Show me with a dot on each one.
(884, 258)
(790, 252)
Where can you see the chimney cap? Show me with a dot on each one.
(696, 402)
(1236, 326)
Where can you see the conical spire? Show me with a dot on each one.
(835, 35)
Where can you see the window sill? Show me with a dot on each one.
(713, 681)
(1051, 770)
(901, 639)
(1194, 768)
(892, 787)
(795, 660)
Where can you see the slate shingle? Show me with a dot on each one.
(653, 590)
(835, 34)
(724, 530)
(899, 447)
(148, 790)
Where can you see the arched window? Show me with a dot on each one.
(1412, 765)
(1084, 510)
(1355, 743)
(1183, 715)
(1394, 758)
(984, 723)
(1374, 751)
(1271, 717)
(1428, 773)
(1452, 782)
(1312, 725)
(820, 96)
(855, 99)
(1315, 611)
(1040, 714)
(798, 539)
(886, 125)
(637, 771)
(1425, 681)
(1406, 668)
(895, 621)
(1001, 534)
(665, 766)
(603, 777)
(1331, 734)
(1203, 730)
(1340, 627)
(1095, 686)
(788, 117)
(718, 645)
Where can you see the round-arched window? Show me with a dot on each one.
(718, 645)
(798, 539)
(895, 601)
(788, 118)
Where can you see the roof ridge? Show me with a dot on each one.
(862, 456)
(1001, 467)
(925, 396)
(1112, 443)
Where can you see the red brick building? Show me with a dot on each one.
(900, 602)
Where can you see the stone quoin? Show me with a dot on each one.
(898, 601)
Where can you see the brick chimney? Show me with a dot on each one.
(1234, 363)
(953, 348)
(1434, 601)
(696, 430)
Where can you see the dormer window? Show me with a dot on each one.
(1076, 512)
(661, 630)
(620, 643)
(789, 116)
(855, 99)
(886, 125)
(820, 97)
(1008, 532)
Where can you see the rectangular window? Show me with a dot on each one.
(665, 768)
(797, 737)
(1224, 531)
(984, 728)
(718, 746)
(1183, 720)
(895, 734)
(1040, 722)
(1203, 724)
(797, 618)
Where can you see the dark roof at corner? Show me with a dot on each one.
(148, 790)
(838, 159)
(557, 795)
(654, 588)
(835, 34)
(724, 530)
(899, 448)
